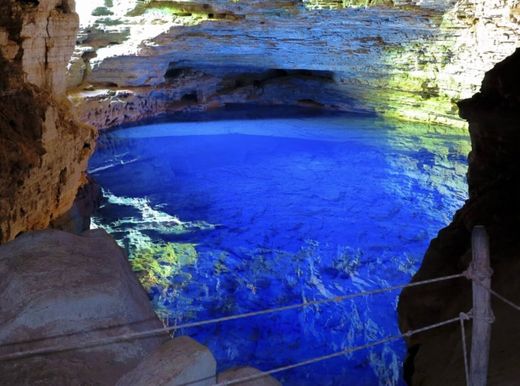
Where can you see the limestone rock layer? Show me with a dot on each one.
(43, 148)
(406, 59)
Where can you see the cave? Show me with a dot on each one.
(264, 193)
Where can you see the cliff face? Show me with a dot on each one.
(494, 185)
(405, 59)
(428, 76)
(43, 149)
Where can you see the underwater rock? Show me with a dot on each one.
(181, 361)
(62, 289)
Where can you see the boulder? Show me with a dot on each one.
(60, 289)
(181, 361)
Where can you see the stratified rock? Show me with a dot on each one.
(410, 59)
(243, 372)
(494, 187)
(43, 148)
(181, 361)
(43, 34)
(60, 289)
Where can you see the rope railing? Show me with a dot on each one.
(475, 365)
(345, 351)
(157, 331)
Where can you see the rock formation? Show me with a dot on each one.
(405, 59)
(178, 362)
(62, 289)
(472, 37)
(43, 148)
(494, 186)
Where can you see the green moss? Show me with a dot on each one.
(156, 264)
(414, 88)
(108, 21)
(418, 86)
(173, 8)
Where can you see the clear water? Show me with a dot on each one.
(265, 213)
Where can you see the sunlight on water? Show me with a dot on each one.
(226, 217)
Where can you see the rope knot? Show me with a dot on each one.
(485, 316)
(477, 273)
(465, 316)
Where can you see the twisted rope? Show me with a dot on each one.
(462, 318)
(498, 296)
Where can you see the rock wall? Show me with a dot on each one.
(225, 54)
(405, 59)
(494, 185)
(427, 77)
(43, 148)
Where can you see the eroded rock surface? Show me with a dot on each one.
(43, 148)
(494, 186)
(78, 218)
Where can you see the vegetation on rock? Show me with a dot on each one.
(157, 263)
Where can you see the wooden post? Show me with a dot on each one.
(482, 313)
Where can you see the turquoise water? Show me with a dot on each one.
(272, 212)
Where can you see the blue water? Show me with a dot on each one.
(274, 212)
